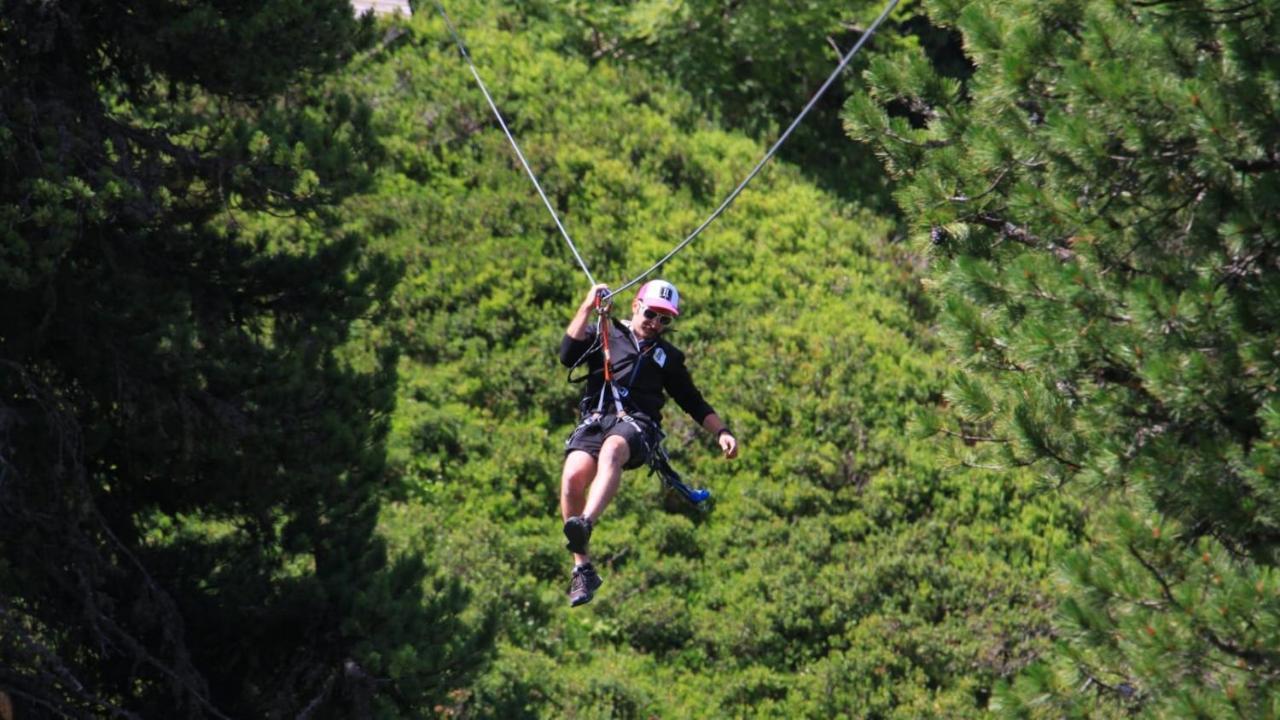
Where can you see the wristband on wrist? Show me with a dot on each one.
(722, 431)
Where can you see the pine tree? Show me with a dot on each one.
(190, 454)
(1101, 202)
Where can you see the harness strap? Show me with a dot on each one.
(660, 465)
(602, 331)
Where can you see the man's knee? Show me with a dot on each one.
(615, 452)
(579, 468)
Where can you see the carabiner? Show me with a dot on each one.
(604, 302)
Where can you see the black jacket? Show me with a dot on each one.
(641, 372)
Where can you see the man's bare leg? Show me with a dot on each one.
(579, 470)
(614, 453)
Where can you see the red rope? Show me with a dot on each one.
(602, 328)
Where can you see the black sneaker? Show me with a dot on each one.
(584, 585)
(578, 530)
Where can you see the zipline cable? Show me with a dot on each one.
(844, 61)
(462, 48)
(769, 155)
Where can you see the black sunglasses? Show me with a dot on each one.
(662, 318)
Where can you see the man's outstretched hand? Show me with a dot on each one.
(728, 445)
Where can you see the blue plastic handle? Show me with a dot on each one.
(698, 496)
(693, 496)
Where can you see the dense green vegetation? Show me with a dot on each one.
(749, 65)
(845, 567)
(281, 416)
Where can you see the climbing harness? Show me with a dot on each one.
(844, 61)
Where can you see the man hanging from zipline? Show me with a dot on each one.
(630, 368)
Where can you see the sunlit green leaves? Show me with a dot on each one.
(843, 564)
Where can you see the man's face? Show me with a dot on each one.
(648, 323)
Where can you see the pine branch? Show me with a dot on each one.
(972, 438)
(997, 468)
(1165, 589)
(1008, 229)
(1124, 690)
(65, 712)
(1257, 166)
(1021, 235)
(990, 189)
(928, 144)
(58, 678)
(1250, 656)
(186, 675)
(1053, 455)
(87, 557)
(317, 702)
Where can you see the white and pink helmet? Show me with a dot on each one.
(660, 295)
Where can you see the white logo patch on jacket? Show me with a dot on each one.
(660, 357)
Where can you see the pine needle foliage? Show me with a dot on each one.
(191, 461)
(1100, 201)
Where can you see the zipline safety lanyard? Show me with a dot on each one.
(604, 303)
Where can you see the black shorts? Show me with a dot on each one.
(589, 436)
